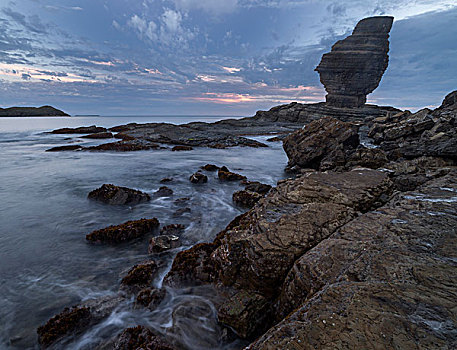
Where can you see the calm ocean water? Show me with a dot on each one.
(45, 262)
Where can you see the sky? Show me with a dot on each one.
(210, 57)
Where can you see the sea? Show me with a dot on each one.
(46, 263)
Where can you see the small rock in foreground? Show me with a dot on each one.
(140, 276)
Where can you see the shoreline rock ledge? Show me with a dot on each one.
(355, 66)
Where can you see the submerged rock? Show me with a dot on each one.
(164, 191)
(198, 178)
(81, 130)
(125, 232)
(225, 174)
(150, 297)
(99, 135)
(163, 243)
(116, 195)
(64, 148)
(124, 146)
(173, 229)
(182, 148)
(166, 180)
(355, 66)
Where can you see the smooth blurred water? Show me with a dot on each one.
(45, 262)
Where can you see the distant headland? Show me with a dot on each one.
(44, 111)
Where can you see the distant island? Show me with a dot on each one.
(44, 111)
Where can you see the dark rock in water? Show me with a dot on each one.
(322, 145)
(246, 199)
(116, 195)
(75, 320)
(69, 321)
(355, 66)
(225, 174)
(44, 111)
(164, 191)
(198, 178)
(246, 313)
(64, 148)
(181, 201)
(140, 276)
(124, 232)
(210, 167)
(140, 337)
(181, 212)
(81, 130)
(123, 146)
(173, 229)
(99, 135)
(255, 186)
(166, 180)
(182, 148)
(150, 297)
(163, 243)
(192, 267)
(124, 137)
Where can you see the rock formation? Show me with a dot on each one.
(355, 66)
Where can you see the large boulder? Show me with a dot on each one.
(355, 66)
(383, 280)
(321, 145)
(117, 195)
(139, 276)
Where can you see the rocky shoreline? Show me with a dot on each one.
(357, 249)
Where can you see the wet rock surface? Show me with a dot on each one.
(117, 195)
(198, 178)
(150, 297)
(210, 167)
(74, 320)
(355, 66)
(139, 337)
(139, 276)
(182, 148)
(125, 232)
(224, 174)
(246, 199)
(164, 191)
(173, 229)
(163, 243)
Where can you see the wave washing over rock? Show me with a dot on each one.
(357, 250)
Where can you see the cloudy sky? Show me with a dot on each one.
(226, 57)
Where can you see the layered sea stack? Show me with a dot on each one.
(355, 66)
